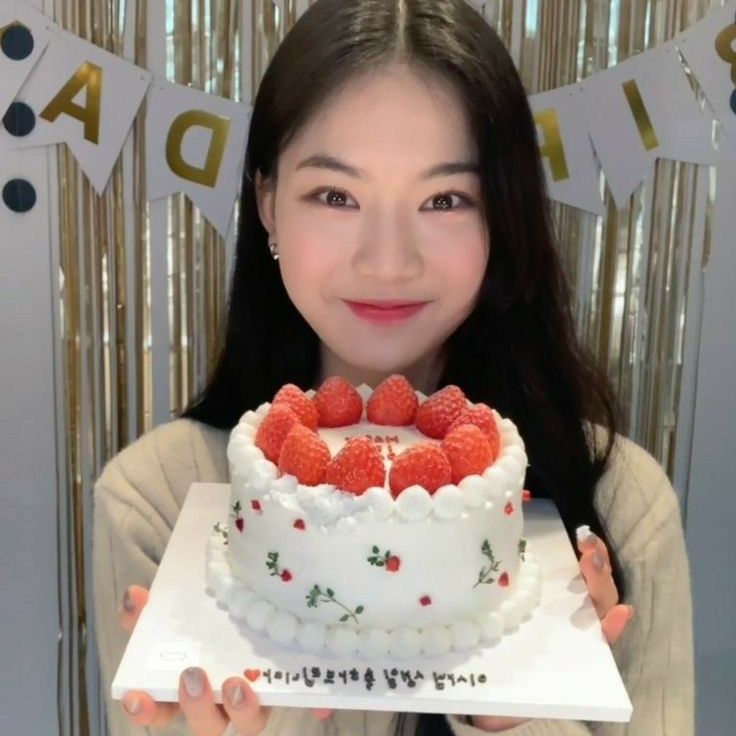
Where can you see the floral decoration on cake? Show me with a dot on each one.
(317, 595)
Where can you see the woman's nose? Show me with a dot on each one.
(388, 254)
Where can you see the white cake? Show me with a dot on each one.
(376, 573)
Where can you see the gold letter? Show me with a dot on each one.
(90, 76)
(725, 50)
(220, 127)
(641, 117)
(552, 148)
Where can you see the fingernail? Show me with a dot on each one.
(133, 706)
(128, 604)
(631, 612)
(193, 682)
(235, 695)
(583, 533)
(598, 561)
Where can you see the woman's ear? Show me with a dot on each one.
(265, 199)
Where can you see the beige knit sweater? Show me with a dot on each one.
(139, 494)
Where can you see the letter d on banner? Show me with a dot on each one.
(195, 143)
(220, 127)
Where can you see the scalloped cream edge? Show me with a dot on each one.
(255, 611)
(413, 504)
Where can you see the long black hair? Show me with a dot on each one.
(517, 351)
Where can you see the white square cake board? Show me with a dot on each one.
(556, 665)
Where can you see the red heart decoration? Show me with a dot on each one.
(252, 675)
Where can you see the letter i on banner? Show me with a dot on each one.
(569, 163)
(709, 47)
(195, 143)
(87, 98)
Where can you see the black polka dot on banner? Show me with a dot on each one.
(19, 195)
(16, 42)
(19, 120)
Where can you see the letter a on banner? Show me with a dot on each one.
(89, 78)
(195, 143)
(86, 98)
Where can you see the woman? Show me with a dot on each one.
(394, 220)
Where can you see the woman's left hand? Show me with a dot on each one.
(595, 566)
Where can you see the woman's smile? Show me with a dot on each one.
(385, 312)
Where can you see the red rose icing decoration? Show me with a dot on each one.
(300, 525)
(256, 506)
(508, 509)
(503, 580)
(393, 563)
(425, 600)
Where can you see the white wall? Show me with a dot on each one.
(29, 604)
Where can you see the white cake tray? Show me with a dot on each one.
(556, 665)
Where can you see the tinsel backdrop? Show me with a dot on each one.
(143, 285)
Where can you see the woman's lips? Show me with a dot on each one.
(385, 312)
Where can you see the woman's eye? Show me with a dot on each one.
(335, 198)
(445, 201)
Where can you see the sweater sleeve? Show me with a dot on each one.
(655, 653)
(136, 502)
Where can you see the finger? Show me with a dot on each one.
(322, 714)
(143, 710)
(589, 541)
(198, 704)
(243, 707)
(615, 622)
(599, 581)
(134, 599)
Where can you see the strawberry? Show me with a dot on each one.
(299, 403)
(393, 563)
(503, 580)
(393, 403)
(338, 403)
(286, 576)
(273, 430)
(468, 450)
(424, 464)
(357, 467)
(439, 411)
(481, 416)
(305, 455)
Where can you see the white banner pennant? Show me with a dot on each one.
(642, 109)
(87, 98)
(570, 167)
(709, 47)
(195, 143)
(17, 17)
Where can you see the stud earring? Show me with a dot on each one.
(274, 248)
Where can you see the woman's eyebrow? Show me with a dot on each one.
(325, 161)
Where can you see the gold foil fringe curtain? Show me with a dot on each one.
(143, 285)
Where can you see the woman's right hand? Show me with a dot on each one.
(196, 700)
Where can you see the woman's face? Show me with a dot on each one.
(382, 246)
